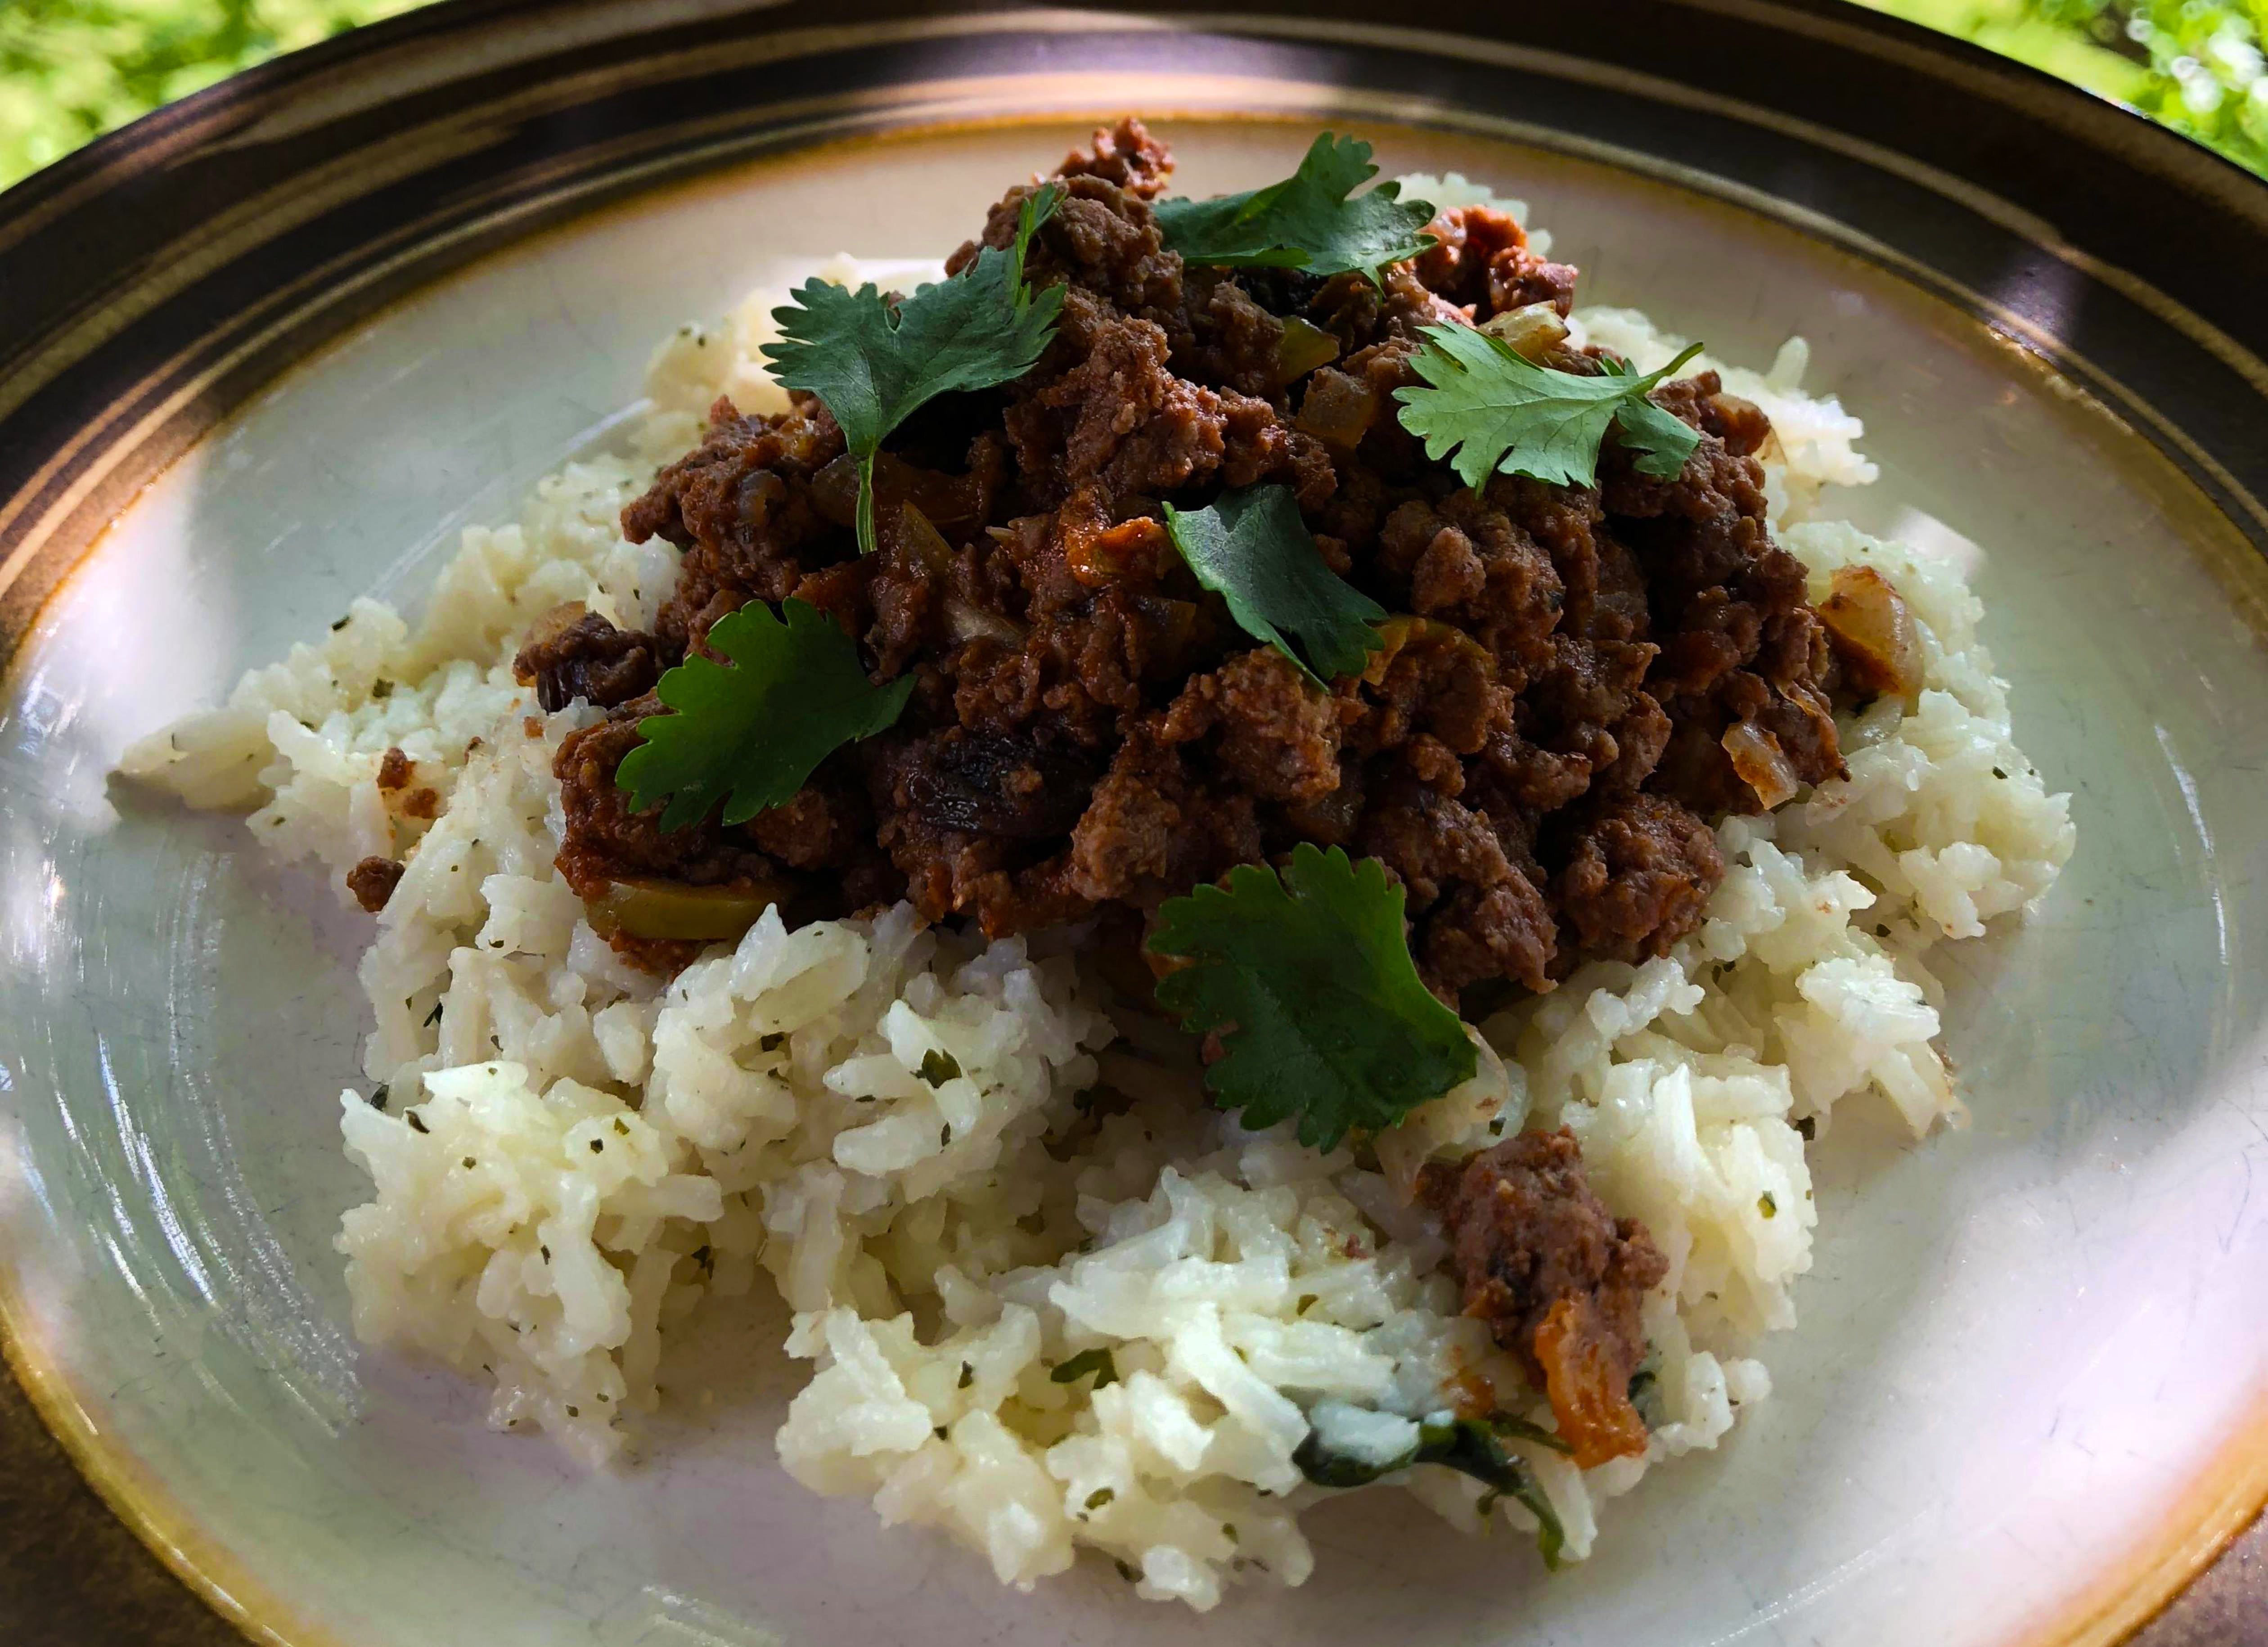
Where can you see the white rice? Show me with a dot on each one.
(570, 1157)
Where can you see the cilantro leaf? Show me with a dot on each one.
(750, 735)
(1500, 413)
(1308, 981)
(1251, 547)
(1306, 221)
(1663, 440)
(874, 365)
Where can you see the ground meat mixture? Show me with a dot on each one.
(372, 882)
(1536, 754)
(1557, 1278)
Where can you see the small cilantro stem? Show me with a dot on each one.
(866, 502)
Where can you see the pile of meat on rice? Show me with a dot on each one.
(1537, 758)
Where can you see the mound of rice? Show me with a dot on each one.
(894, 1125)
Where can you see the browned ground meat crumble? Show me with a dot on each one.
(1558, 1277)
(373, 881)
(1536, 756)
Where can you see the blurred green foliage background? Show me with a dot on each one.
(70, 70)
(2193, 64)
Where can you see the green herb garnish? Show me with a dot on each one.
(1096, 1361)
(1252, 548)
(1312, 220)
(1502, 414)
(874, 365)
(748, 736)
(1468, 1445)
(1307, 978)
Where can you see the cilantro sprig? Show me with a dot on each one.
(1313, 220)
(1307, 977)
(1499, 413)
(875, 365)
(748, 736)
(1251, 547)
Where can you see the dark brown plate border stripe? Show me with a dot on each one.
(153, 281)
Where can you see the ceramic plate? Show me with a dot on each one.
(268, 350)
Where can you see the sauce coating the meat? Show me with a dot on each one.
(1535, 755)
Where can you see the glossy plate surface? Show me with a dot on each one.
(2023, 1399)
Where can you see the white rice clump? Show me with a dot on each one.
(887, 1122)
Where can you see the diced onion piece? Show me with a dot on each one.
(1873, 633)
(1339, 409)
(1327, 820)
(1589, 1392)
(922, 540)
(1101, 557)
(670, 910)
(1529, 330)
(1403, 630)
(1176, 623)
(943, 498)
(1764, 766)
(554, 623)
(1302, 348)
(965, 623)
